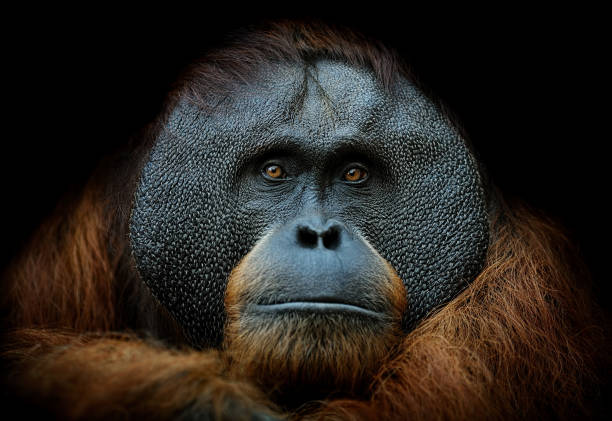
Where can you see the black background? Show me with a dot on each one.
(528, 86)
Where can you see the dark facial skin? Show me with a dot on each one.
(325, 160)
(314, 264)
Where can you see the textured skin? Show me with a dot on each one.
(199, 207)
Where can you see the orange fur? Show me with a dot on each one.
(238, 63)
(523, 340)
(293, 354)
(118, 376)
(65, 279)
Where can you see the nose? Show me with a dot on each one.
(313, 233)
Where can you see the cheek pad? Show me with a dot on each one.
(439, 234)
(184, 238)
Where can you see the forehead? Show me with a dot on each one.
(317, 103)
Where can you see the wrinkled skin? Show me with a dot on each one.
(202, 202)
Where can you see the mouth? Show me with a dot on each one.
(319, 306)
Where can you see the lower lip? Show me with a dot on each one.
(317, 307)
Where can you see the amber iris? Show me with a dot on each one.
(274, 171)
(355, 174)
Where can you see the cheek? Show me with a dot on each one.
(246, 281)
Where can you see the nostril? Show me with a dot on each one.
(307, 237)
(331, 238)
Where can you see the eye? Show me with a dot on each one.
(274, 172)
(355, 174)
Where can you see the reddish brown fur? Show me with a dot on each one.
(523, 340)
(65, 278)
(294, 354)
(63, 353)
(217, 74)
(121, 377)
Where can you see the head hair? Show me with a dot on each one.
(298, 43)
